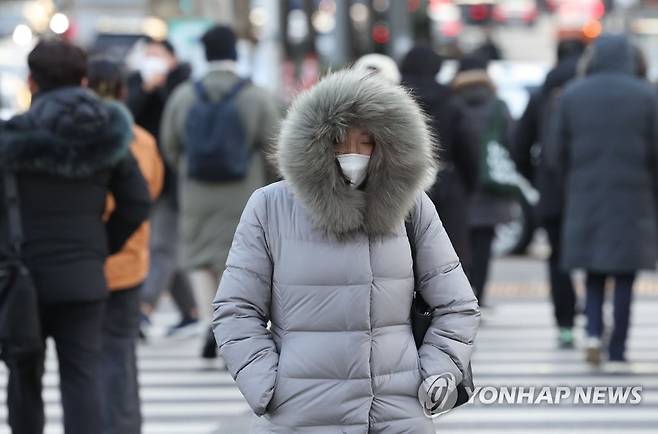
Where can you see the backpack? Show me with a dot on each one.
(20, 324)
(215, 140)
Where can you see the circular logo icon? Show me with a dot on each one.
(438, 394)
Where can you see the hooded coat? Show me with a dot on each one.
(604, 145)
(459, 150)
(475, 95)
(534, 129)
(68, 152)
(330, 268)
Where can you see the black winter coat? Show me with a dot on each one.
(458, 156)
(147, 109)
(475, 95)
(605, 145)
(68, 152)
(534, 129)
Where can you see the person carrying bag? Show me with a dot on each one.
(20, 328)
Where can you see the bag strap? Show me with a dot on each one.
(13, 212)
(232, 92)
(201, 91)
(237, 87)
(409, 226)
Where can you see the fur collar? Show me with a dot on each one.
(67, 132)
(475, 77)
(402, 164)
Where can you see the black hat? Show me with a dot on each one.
(421, 60)
(219, 43)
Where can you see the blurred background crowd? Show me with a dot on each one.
(483, 70)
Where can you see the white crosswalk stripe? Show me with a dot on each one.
(181, 393)
(516, 346)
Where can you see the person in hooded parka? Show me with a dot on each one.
(603, 144)
(323, 255)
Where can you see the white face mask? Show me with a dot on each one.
(150, 66)
(355, 167)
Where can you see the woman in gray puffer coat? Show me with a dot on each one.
(324, 257)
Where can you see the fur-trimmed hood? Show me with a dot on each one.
(472, 78)
(402, 165)
(474, 86)
(67, 132)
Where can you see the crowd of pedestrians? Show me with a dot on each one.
(293, 246)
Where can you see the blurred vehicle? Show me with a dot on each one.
(14, 94)
(446, 18)
(477, 12)
(114, 45)
(515, 81)
(516, 12)
(642, 25)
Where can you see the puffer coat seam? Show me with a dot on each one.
(326, 379)
(372, 388)
(260, 276)
(326, 331)
(326, 425)
(320, 285)
(404, 371)
(388, 279)
(452, 308)
(454, 360)
(452, 338)
(440, 272)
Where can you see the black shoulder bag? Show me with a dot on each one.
(20, 327)
(421, 319)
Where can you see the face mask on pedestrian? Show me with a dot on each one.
(353, 155)
(151, 66)
(355, 167)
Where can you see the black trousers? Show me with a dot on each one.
(562, 291)
(119, 385)
(76, 329)
(481, 241)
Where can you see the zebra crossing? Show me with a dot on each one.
(180, 393)
(516, 346)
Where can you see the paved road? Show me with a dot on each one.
(516, 346)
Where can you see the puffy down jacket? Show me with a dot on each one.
(339, 355)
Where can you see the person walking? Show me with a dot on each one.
(488, 118)
(68, 151)
(607, 159)
(219, 167)
(158, 73)
(459, 153)
(324, 257)
(533, 130)
(125, 272)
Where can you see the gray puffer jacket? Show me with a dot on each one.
(330, 268)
